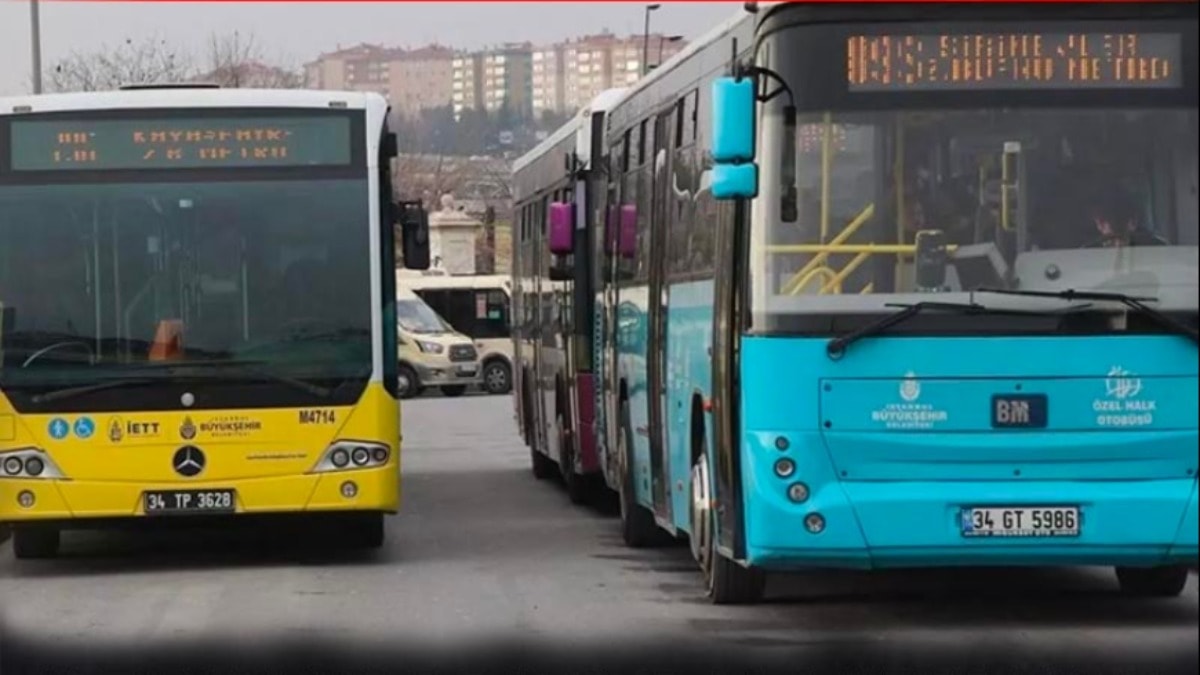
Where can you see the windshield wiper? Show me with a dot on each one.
(836, 347)
(169, 373)
(72, 392)
(318, 336)
(251, 367)
(1138, 304)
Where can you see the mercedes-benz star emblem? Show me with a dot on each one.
(188, 461)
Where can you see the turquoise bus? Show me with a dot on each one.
(908, 285)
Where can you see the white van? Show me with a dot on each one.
(478, 306)
(431, 352)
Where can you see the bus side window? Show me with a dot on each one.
(491, 314)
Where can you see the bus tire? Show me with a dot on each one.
(575, 484)
(408, 384)
(543, 468)
(365, 530)
(497, 377)
(638, 529)
(725, 581)
(34, 542)
(454, 390)
(1153, 582)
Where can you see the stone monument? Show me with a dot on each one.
(452, 235)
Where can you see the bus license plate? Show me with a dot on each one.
(189, 501)
(1021, 521)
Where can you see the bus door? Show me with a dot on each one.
(657, 352)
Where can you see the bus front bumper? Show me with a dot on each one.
(884, 525)
(26, 500)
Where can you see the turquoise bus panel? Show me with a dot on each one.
(891, 453)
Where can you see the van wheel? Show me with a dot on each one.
(407, 383)
(34, 542)
(497, 378)
(454, 390)
(1153, 582)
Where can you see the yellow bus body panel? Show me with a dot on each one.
(266, 455)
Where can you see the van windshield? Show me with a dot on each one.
(415, 316)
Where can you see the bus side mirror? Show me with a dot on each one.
(734, 174)
(627, 235)
(562, 228)
(414, 235)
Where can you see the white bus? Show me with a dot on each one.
(479, 306)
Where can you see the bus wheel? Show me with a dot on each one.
(454, 390)
(1157, 582)
(34, 542)
(407, 383)
(638, 528)
(543, 468)
(576, 485)
(726, 582)
(364, 530)
(497, 378)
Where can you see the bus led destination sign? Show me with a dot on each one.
(950, 62)
(54, 145)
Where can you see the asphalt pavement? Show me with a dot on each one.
(483, 555)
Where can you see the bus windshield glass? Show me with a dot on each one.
(213, 275)
(940, 164)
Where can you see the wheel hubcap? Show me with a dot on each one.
(497, 379)
(404, 384)
(700, 514)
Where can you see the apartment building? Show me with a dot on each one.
(411, 79)
(493, 79)
(527, 80)
(569, 74)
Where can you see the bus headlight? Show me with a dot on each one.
(361, 456)
(351, 455)
(28, 463)
(785, 468)
(339, 458)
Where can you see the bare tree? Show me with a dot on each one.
(147, 61)
(237, 60)
(428, 177)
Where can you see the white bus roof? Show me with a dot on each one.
(602, 102)
(415, 281)
(693, 47)
(193, 98)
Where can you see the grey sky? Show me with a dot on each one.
(68, 26)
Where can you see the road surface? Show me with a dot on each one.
(482, 551)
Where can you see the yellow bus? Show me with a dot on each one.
(197, 309)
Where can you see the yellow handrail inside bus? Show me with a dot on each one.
(823, 271)
(790, 285)
(840, 278)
